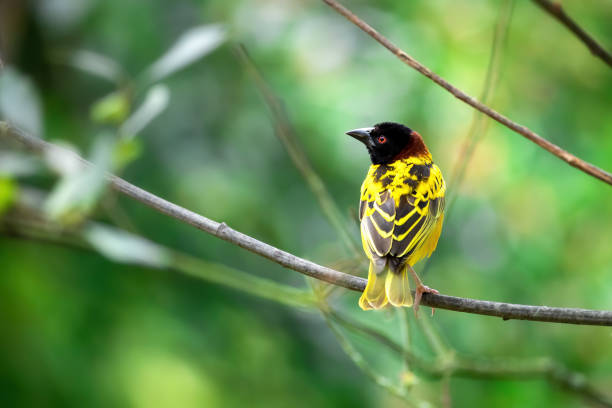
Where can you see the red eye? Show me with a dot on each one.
(382, 139)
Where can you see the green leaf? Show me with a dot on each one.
(77, 193)
(191, 46)
(123, 247)
(61, 16)
(155, 102)
(95, 64)
(65, 161)
(112, 109)
(20, 102)
(126, 151)
(8, 194)
(18, 164)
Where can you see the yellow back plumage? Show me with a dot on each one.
(401, 212)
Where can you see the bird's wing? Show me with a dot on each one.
(377, 215)
(417, 213)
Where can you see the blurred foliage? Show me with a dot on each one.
(153, 90)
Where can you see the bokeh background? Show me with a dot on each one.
(92, 316)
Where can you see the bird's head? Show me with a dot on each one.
(389, 141)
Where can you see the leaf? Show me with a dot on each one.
(155, 102)
(61, 16)
(20, 102)
(8, 194)
(65, 161)
(76, 194)
(96, 64)
(121, 246)
(191, 46)
(17, 164)
(126, 151)
(111, 109)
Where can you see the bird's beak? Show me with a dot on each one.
(361, 134)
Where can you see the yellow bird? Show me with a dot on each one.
(401, 212)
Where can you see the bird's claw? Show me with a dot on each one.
(420, 289)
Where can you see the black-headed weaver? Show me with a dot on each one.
(401, 212)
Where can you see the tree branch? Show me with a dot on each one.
(459, 94)
(290, 261)
(28, 223)
(493, 368)
(361, 363)
(480, 123)
(556, 11)
(286, 133)
(1, 54)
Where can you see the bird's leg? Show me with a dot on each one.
(419, 290)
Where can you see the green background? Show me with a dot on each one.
(81, 330)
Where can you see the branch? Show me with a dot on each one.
(361, 363)
(290, 261)
(1, 54)
(459, 94)
(488, 369)
(31, 225)
(553, 372)
(556, 11)
(286, 133)
(479, 124)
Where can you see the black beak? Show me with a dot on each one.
(362, 134)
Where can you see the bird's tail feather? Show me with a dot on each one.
(397, 287)
(374, 296)
(386, 286)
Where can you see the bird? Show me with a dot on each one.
(401, 212)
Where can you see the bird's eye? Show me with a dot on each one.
(382, 139)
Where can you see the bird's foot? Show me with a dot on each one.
(420, 289)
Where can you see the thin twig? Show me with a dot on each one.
(523, 370)
(487, 369)
(422, 365)
(286, 134)
(364, 367)
(404, 327)
(29, 224)
(479, 122)
(435, 341)
(556, 11)
(459, 94)
(33, 226)
(1, 53)
(351, 351)
(222, 231)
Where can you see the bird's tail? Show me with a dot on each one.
(386, 285)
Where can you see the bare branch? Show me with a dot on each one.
(489, 369)
(525, 370)
(479, 124)
(31, 225)
(286, 133)
(556, 11)
(26, 226)
(360, 362)
(459, 94)
(1, 54)
(290, 261)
